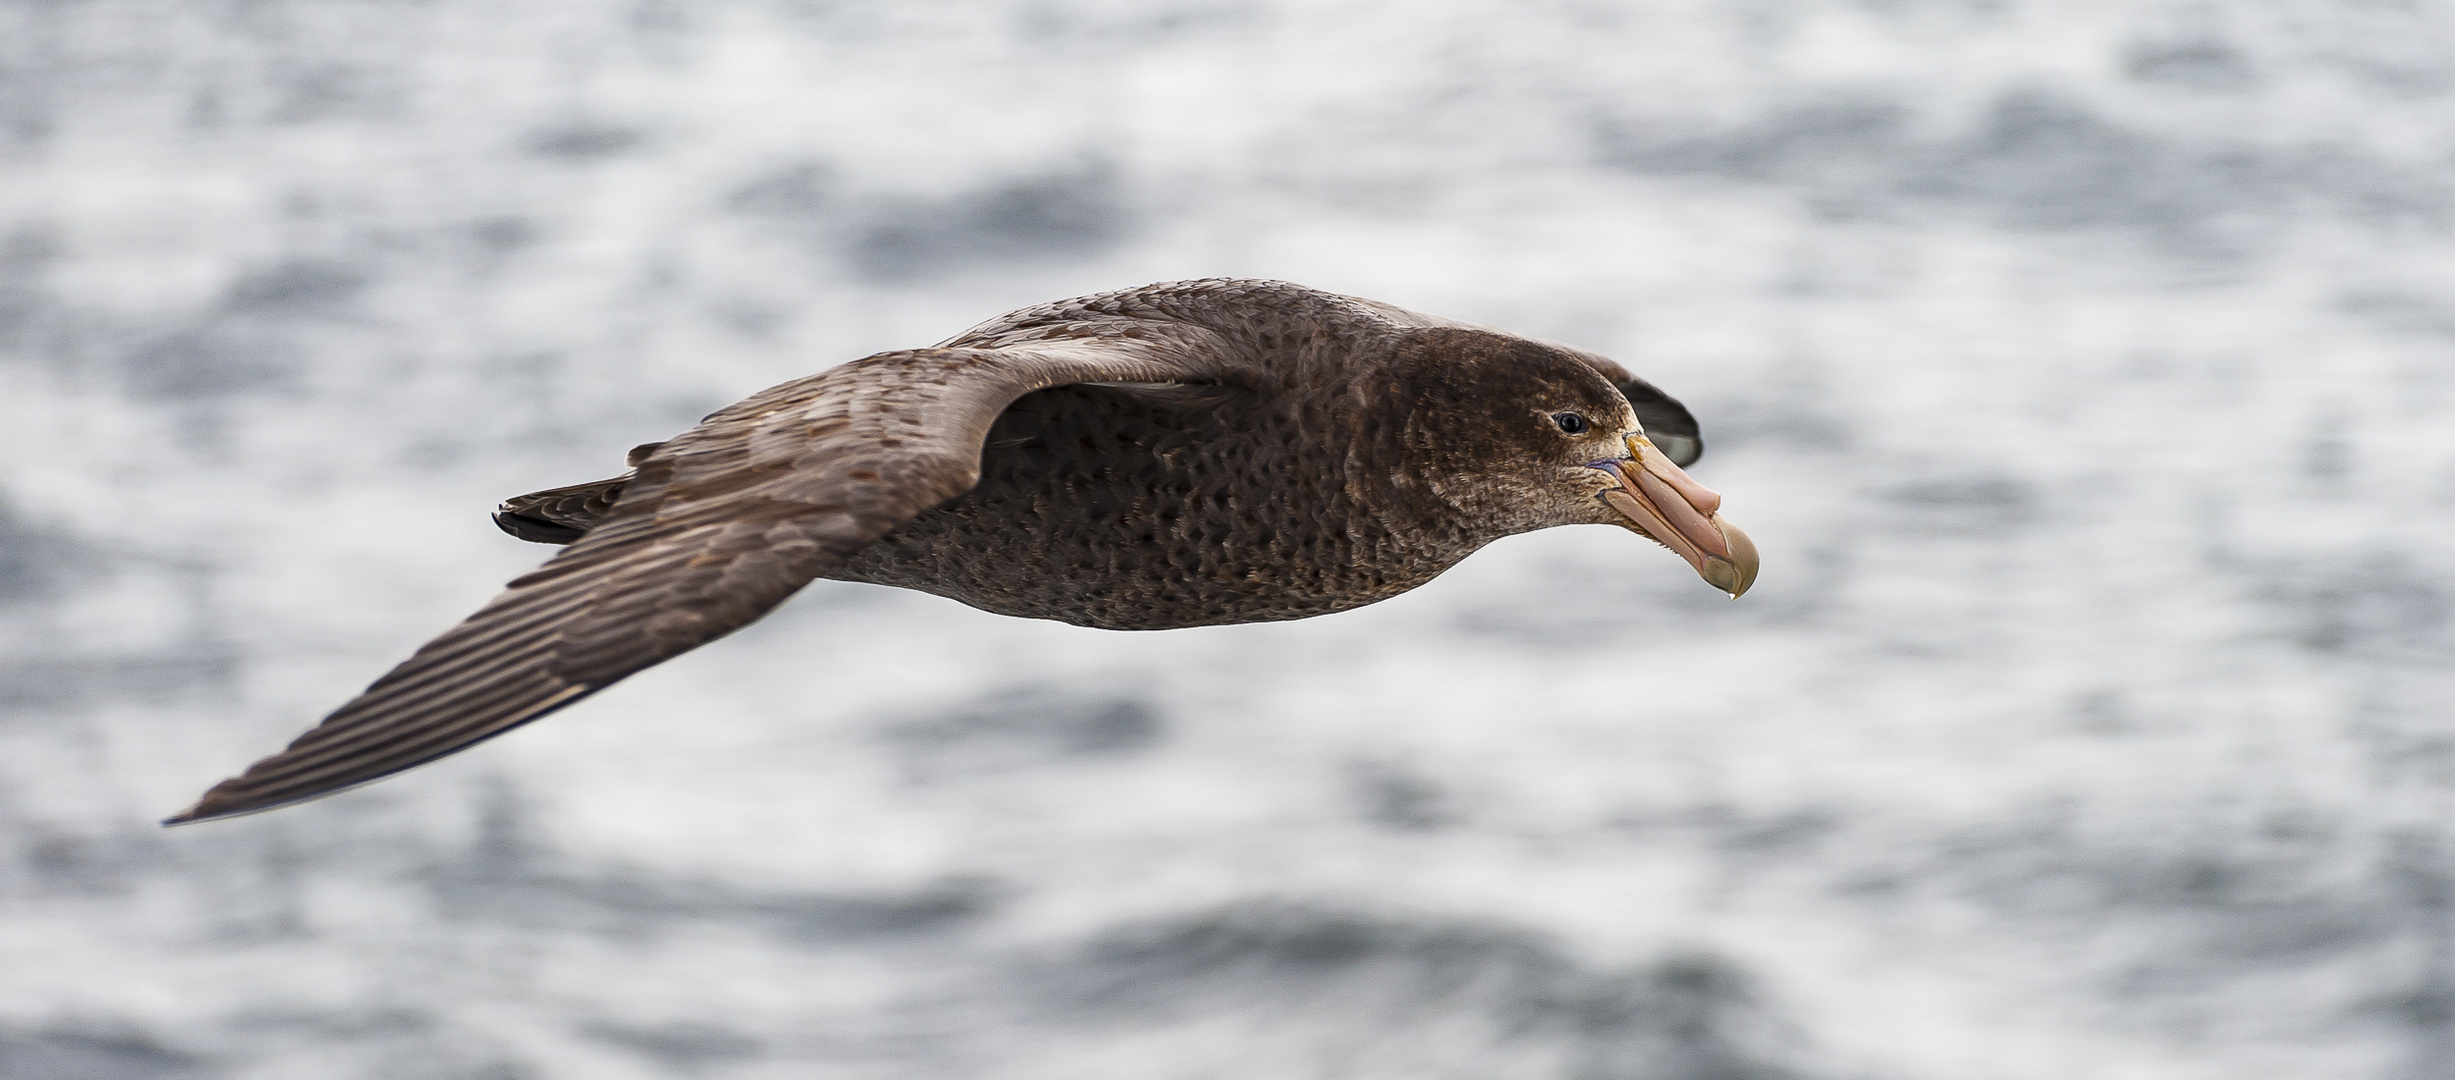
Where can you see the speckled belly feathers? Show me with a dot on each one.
(1153, 508)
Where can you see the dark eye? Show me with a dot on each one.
(1570, 422)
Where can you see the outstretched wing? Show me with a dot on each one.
(716, 527)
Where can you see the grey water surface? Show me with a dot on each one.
(2083, 371)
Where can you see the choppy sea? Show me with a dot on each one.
(2085, 372)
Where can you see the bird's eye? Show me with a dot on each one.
(1570, 422)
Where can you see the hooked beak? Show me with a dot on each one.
(1662, 502)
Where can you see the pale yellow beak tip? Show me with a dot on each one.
(1735, 574)
(1658, 499)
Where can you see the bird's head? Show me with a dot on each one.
(1520, 435)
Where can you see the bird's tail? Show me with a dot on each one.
(564, 514)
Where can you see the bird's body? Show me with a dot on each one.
(1130, 508)
(1186, 454)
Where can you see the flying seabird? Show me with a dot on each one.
(1183, 454)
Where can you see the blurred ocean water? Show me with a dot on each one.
(2082, 369)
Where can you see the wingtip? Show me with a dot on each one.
(204, 811)
(220, 802)
(201, 810)
(189, 816)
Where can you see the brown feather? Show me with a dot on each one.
(1178, 455)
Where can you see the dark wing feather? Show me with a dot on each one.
(1668, 424)
(716, 527)
(560, 515)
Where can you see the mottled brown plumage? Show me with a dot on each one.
(1183, 454)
